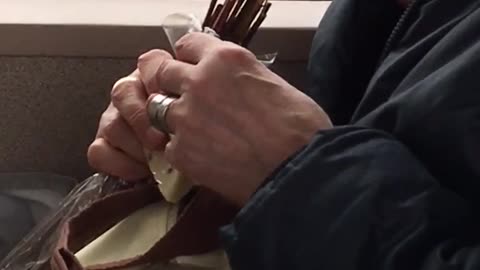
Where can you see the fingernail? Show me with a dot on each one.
(146, 66)
(148, 62)
(148, 56)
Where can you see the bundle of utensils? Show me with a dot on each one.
(236, 20)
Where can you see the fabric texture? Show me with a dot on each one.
(25, 199)
(395, 184)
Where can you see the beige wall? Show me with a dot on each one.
(49, 109)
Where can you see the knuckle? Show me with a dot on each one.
(159, 61)
(153, 54)
(138, 119)
(105, 119)
(185, 40)
(121, 87)
(161, 71)
(162, 77)
(233, 54)
(112, 128)
(195, 83)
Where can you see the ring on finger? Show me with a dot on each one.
(157, 112)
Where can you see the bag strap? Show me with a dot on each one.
(195, 232)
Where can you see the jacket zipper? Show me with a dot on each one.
(398, 29)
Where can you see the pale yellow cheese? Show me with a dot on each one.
(134, 235)
(137, 233)
(171, 183)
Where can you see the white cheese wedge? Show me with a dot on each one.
(172, 184)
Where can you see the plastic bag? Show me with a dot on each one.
(34, 251)
(178, 24)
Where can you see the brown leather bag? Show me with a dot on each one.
(195, 232)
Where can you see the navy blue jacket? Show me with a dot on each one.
(396, 184)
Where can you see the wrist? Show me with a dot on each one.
(294, 137)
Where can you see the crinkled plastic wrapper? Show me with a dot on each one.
(33, 252)
(178, 24)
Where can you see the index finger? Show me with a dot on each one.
(160, 72)
(129, 97)
(193, 47)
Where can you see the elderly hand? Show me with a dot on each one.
(235, 121)
(124, 132)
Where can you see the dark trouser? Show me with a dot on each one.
(25, 199)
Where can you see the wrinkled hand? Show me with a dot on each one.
(235, 121)
(124, 133)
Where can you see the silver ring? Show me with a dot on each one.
(157, 112)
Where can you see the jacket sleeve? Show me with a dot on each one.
(354, 199)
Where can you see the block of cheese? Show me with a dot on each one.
(172, 184)
(133, 236)
(137, 233)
